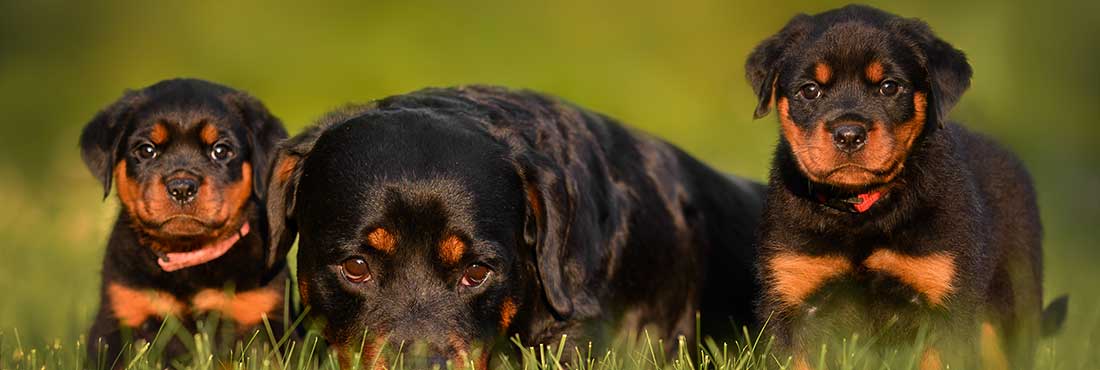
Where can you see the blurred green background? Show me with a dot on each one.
(674, 68)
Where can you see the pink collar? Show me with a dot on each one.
(856, 204)
(176, 261)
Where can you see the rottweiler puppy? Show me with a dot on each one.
(189, 159)
(460, 217)
(882, 217)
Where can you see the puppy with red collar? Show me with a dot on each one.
(883, 218)
(189, 159)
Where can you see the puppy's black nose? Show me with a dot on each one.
(182, 190)
(849, 138)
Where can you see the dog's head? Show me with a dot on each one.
(855, 88)
(186, 156)
(415, 225)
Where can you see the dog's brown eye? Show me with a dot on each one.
(221, 152)
(475, 275)
(146, 151)
(888, 88)
(810, 91)
(356, 270)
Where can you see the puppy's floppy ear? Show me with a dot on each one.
(948, 72)
(551, 205)
(285, 171)
(102, 138)
(265, 131)
(762, 67)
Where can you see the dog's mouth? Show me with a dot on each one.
(848, 175)
(185, 225)
(183, 232)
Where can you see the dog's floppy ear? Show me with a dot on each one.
(947, 70)
(102, 137)
(265, 131)
(762, 67)
(551, 206)
(282, 188)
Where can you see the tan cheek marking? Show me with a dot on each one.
(132, 307)
(931, 275)
(795, 277)
(451, 249)
(228, 203)
(209, 134)
(930, 360)
(790, 130)
(129, 192)
(246, 308)
(875, 72)
(822, 73)
(993, 358)
(912, 128)
(508, 311)
(382, 240)
(159, 135)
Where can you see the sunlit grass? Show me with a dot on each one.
(262, 350)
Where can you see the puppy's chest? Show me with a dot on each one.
(132, 307)
(799, 279)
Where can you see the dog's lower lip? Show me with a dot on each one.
(210, 225)
(859, 167)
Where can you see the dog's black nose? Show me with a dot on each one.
(849, 138)
(182, 190)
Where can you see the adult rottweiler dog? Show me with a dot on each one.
(459, 217)
(882, 217)
(189, 159)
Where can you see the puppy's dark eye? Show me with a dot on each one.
(809, 91)
(475, 275)
(146, 151)
(356, 270)
(889, 88)
(221, 152)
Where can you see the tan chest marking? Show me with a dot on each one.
(132, 306)
(931, 275)
(795, 277)
(246, 308)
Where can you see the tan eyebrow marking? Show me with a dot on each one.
(382, 240)
(875, 72)
(822, 73)
(451, 249)
(159, 135)
(209, 134)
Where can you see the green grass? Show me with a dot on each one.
(671, 68)
(263, 350)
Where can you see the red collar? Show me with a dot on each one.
(855, 204)
(176, 261)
